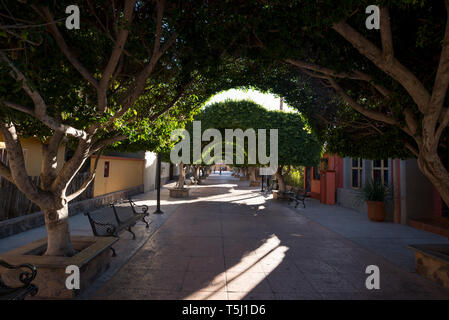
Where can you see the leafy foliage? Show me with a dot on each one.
(296, 145)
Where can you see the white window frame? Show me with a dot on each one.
(382, 169)
(359, 169)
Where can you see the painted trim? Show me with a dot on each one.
(116, 158)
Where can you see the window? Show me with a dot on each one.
(356, 172)
(380, 170)
(106, 169)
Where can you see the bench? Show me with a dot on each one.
(271, 185)
(121, 217)
(26, 277)
(298, 196)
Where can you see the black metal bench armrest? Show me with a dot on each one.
(143, 207)
(25, 277)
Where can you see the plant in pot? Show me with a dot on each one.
(375, 193)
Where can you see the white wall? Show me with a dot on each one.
(149, 172)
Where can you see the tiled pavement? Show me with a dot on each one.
(233, 243)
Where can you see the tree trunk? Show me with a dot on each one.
(195, 173)
(182, 176)
(432, 167)
(252, 174)
(280, 179)
(58, 232)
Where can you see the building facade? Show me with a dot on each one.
(413, 201)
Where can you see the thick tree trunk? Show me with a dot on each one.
(432, 167)
(182, 176)
(58, 232)
(280, 179)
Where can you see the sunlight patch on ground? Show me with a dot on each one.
(246, 274)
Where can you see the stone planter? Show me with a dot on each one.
(92, 259)
(254, 184)
(432, 262)
(277, 195)
(179, 193)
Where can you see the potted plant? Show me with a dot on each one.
(375, 193)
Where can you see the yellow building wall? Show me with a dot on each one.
(33, 155)
(124, 173)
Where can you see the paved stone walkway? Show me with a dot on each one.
(230, 242)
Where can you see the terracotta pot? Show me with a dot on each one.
(376, 210)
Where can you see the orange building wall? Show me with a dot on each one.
(124, 173)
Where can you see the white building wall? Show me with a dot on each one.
(149, 172)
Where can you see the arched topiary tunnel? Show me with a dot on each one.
(135, 70)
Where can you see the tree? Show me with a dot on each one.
(395, 79)
(296, 144)
(110, 81)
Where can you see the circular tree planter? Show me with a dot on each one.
(277, 195)
(254, 184)
(179, 192)
(92, 258)
(432, 262)
(376, 210)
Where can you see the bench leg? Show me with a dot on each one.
(148, 225)
(134, 235)
(113, 251)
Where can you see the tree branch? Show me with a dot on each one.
(17, 168)
(5, 172)
(53, 29)
(71, 167)
(50, 159)
(40, 107)
(442, 77)
(327, 71)
(86, 183)
(385, 34)
(138, 86)
(412, 149)
(115, 55)
(98, 145)
(324, 73)
(391, 67)
(371, 114)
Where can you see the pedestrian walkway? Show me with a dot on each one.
(387, 239)
(229, 241)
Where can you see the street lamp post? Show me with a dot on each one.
(261, 189)
(158, 184)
